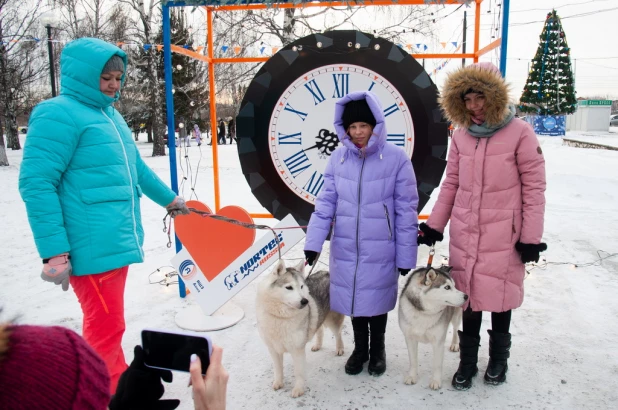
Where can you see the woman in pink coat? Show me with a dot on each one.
(494, 196)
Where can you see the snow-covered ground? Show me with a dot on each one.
(596, 137)
(564, 335)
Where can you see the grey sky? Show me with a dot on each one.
(590, 35)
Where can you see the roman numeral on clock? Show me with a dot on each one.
(342, 85)
(292, 139)
(397, 139)
(393, 108)
(314, 184)
(297, 163)
(315, 91)
(301, 114)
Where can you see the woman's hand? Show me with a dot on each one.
(310, 257)
(427, 235)
(141, 387)
(57, 270)
(210, 391)
(530, 252)
(177, 207)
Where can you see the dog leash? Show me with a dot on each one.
(315, 262)
(432, 251)
(168, 228)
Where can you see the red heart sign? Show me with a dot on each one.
(214, 244)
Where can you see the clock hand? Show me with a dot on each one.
(326, 142)
(310, 148)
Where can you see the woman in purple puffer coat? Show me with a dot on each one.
(370, 194)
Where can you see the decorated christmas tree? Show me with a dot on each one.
(550, 89)
(188, 79)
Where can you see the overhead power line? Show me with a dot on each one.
(573, 58)
(599, 65)
(559, 7)
(586, 14)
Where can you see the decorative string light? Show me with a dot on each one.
(543, 263)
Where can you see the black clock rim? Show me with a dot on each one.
(302, 56)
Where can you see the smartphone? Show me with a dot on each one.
(172, 350)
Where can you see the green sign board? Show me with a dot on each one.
(595, 102)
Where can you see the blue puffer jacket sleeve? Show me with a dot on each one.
(322, 216)
(152, 186)
(406, 218)
(52, 139)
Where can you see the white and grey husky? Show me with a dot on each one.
(291, 308)
(429, 301)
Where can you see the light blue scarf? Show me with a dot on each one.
(485, 131)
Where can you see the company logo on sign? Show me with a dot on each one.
(549, 123)
(187, 269)
(253, 263)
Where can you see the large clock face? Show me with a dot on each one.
(285, 125)
(301, 130)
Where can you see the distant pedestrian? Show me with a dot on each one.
(197, 134)
(231, 127)
(221, 134)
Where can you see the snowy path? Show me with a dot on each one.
(564, 335)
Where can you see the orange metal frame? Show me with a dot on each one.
(211, 60)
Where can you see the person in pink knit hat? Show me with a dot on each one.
(49, 368)
(494, 196)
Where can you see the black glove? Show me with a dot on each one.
(530, 252)
(428, 236)
(403, 272)
(140, 387)
(310, 257)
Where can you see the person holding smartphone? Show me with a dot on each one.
(53, 367)
(209, 391)
(82, 179)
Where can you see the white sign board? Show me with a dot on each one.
(255, 260)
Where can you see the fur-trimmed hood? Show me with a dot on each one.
(484, 77)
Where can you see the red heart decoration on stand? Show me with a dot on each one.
(214, 244)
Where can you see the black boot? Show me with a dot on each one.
(499, 352)
(468, 357)
(360, 355)
(377, 355)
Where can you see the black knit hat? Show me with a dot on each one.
(116, 63)
(357, 111)
(469, 91)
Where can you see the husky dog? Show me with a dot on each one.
(291, 308)
(428, 303)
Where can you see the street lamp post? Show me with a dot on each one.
(50, 52)
(48, 19)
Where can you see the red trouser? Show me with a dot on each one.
(102, 299)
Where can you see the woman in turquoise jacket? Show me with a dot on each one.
(82, 179)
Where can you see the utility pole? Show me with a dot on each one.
(50, 53)
(465, 29)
